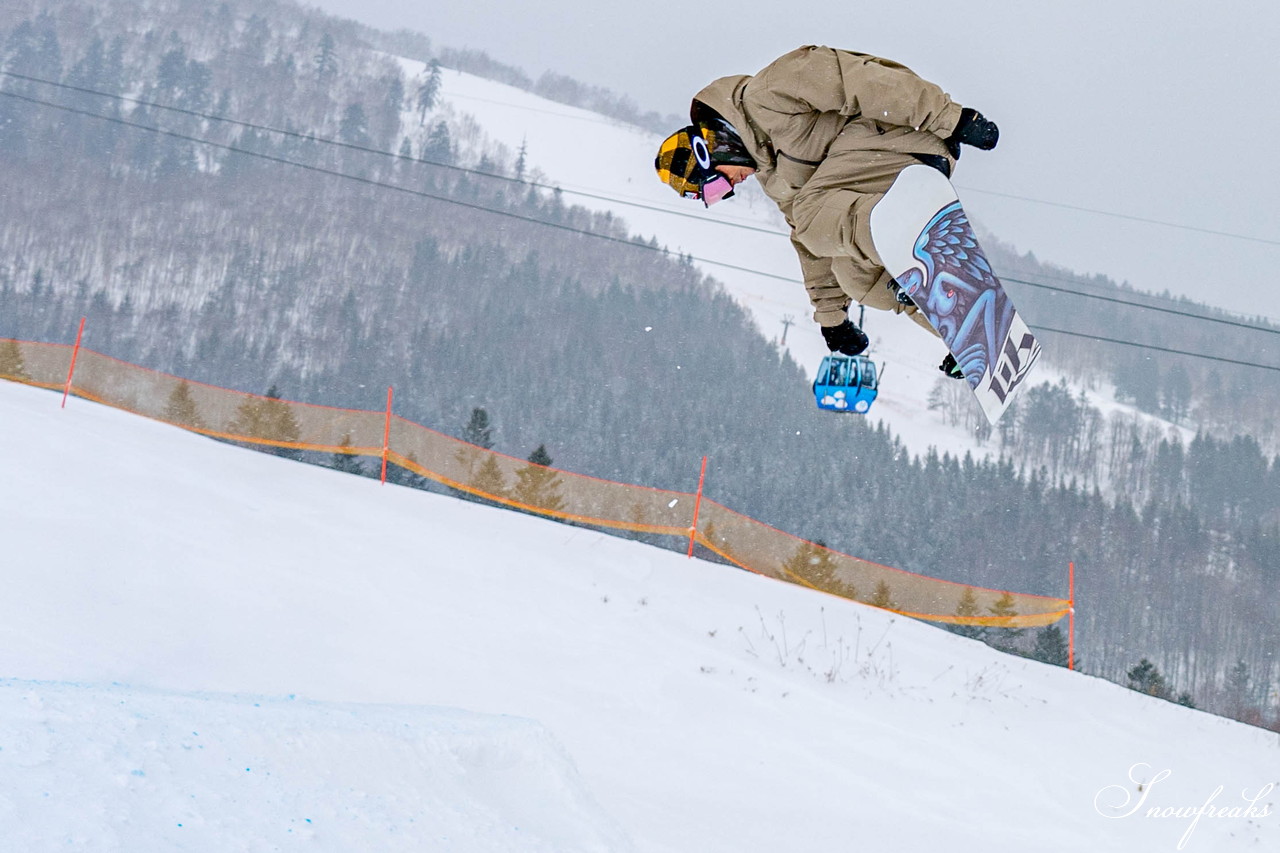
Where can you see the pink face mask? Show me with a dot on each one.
(716, 189)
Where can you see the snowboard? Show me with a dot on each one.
(926, 243)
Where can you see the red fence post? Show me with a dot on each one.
(1071, 616)
(697, 505)
(75, 351)
(386, 437)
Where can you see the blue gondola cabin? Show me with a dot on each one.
(846, 383)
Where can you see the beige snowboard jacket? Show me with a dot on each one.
(829, 130)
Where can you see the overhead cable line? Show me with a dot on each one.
(1012, 196)
(305, 137)
(1143, 305)
(1136, 345)
(612, 199)
(615, 199)
(331, 172)
(530, 219)
(1130, 218)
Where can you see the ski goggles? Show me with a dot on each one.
(715, 189)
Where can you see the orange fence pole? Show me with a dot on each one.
(72, 369)
(386, 437)
(1071, 616)
(697, 505)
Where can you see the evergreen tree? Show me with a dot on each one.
(1176, 393)
(354, 129)
(181, 408)
(488, 478)
(257, 34)
(11, 364)
(87, 73)
(1051, 646)
(429, 90)
(815, 566)
(883, 596)
(478, 430)
(1004, 639)
(33, 48)
(522, 159)
(1146, 678)
(439, 145)
(345, 460)
(394, 96)
(1237, 690)
(183, 82)
(640, 515)
(177, 157)
(268, 419)
(968, 608)
(326, 60)
(537, 484)
(407, 476)
(478, 435)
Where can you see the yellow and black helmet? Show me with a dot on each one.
(684, 160)
(688, 157)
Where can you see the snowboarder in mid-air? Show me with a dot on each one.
(825, 132)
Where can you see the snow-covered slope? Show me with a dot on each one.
(265, 652)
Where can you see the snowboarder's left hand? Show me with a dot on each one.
(973, 129)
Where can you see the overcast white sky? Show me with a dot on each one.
(1157, 109)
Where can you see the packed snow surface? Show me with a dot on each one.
(206, 648)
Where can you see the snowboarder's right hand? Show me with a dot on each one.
(973, 129)
(950, 368)
(845, 338)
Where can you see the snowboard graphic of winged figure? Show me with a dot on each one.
(958, 292)
(927, 244)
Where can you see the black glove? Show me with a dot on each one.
(846, 338)
(950, 368)
(901, 295)
(973, 129)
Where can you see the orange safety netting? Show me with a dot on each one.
(513, 482)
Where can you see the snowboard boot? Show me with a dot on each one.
(950, 368)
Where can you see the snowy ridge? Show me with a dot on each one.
(665, 703)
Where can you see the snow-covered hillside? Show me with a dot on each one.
(206, 648)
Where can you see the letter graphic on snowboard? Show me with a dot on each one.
(926, 243)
